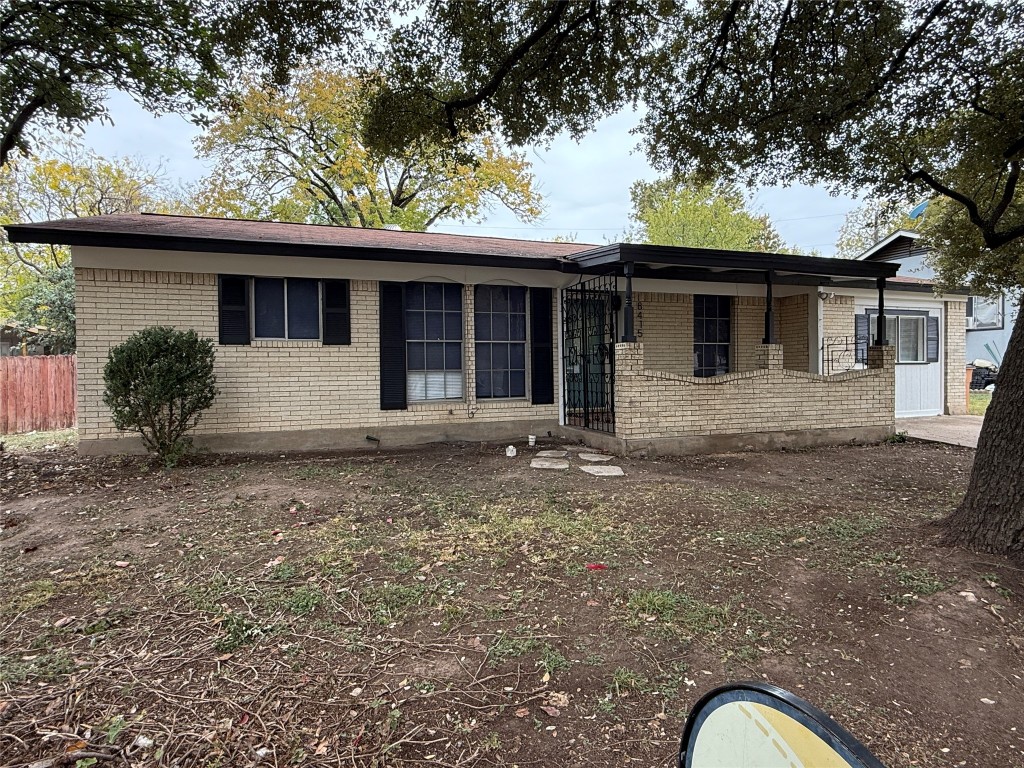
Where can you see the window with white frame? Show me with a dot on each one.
(500, 323)
(433, 339)
(286, 308)
(984, 313)
(906, 333)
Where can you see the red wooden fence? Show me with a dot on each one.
(37, 392)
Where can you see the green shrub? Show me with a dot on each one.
(158, 383)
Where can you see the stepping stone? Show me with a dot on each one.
(552, 454)
(603, 470)
(543, 463)
(595, 457)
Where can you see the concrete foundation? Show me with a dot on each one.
(352, 439)
(753, 441)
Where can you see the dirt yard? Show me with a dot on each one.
(452, 606)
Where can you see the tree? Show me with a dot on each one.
(712, 215)
(871, 221)
(36, 281)
(903, 99)
(296, 153)
(48, 304)
(59, 57)
(158, 382)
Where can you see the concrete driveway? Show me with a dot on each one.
(954, 430)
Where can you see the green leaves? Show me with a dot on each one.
(158, 383)
(296, 153)
(696, 215)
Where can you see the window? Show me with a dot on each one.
(283, 308)
(984, 313)
(500, 322)
(286, 308)
(711, 331)
(906, 333)
(433, 341)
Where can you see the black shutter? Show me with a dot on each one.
(542, 375)
(392, 347)
(862, 333)
(233, 307)
(933, 339)
(337, 313)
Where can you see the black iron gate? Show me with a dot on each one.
(588, 353)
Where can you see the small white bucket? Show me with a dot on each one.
(532, 440)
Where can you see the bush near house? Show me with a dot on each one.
(158, 382)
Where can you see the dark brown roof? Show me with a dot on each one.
(208, 235)
(236, 236)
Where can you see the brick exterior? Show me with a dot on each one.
(654, 404)
(666, 326)
(955, 336)
(791, 316)
(838, 334)
(270, 385)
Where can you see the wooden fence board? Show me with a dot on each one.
(37, 393)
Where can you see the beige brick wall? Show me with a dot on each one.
(668, 331)
(838, 334)
(790, 327)
(666, 323)
(654, 404)
(955, 336)
(791, 316)
(270, 385)
(747, 332)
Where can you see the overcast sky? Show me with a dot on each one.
(585, 185)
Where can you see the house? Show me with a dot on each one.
(988, 321)
(330, 337)
(18, 340)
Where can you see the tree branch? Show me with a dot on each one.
(497, 78)
(13, 131)
(897, 61)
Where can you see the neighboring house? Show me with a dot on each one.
(989, 320)
(16, 340)
(927, 330)
(331, 337)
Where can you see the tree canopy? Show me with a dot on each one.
(59, 57)
(710, 215)
(296, 153)
(36, 281)
(902, 99)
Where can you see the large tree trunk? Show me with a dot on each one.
(991, 516)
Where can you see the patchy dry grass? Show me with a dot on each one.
(437, 606)
(28, 442)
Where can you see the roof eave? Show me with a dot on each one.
(58, 236)
(748, 261)
(886, 241)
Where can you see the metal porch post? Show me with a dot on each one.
(769, 312)
(880, 333)
(627, 314)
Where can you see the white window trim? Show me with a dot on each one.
(873, 335)
(971, 320)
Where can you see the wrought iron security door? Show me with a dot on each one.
(588, 353)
